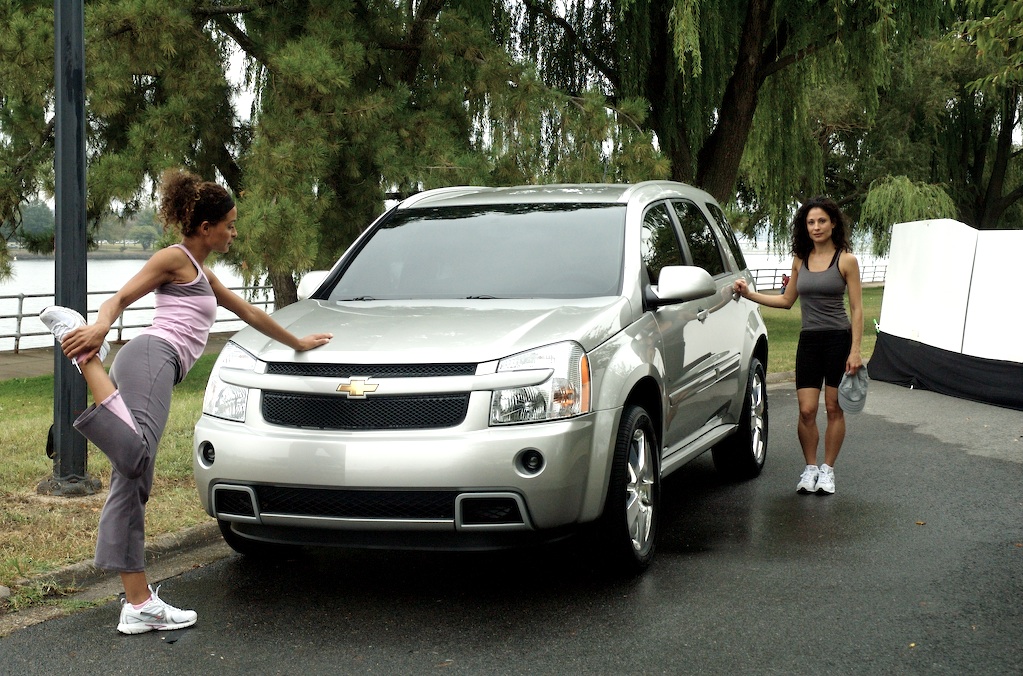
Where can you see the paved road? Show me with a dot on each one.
(915, 566)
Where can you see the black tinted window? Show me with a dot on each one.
(504, 251)
(660, 245)
(703, 246)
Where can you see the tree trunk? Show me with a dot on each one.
(285, 289)
(718, 159)
(994, 202)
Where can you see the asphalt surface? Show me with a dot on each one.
(915, 566)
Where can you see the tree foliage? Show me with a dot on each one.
(761, 102)
(993, 31)
(898, 199)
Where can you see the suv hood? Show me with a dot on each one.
(455, 331)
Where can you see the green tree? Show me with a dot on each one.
(729, 83)
(358, 103)
(939, 145)
(37, 225)
(145, 235)
(355, 102)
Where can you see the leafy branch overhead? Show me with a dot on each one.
(350, 104)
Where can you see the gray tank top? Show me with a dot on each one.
(821, 298)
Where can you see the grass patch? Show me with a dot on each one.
(783, 330)
(40, 533)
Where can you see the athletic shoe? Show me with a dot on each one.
(61, 320)
(155, 614)
(826, 480)
(807, 480)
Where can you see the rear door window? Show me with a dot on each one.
(704, 248)
(730, 239)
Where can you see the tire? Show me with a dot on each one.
(255, 549)
(742, 456)
(628, 526)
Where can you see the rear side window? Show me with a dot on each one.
(703, 245)
(730, 239)
(660, 245)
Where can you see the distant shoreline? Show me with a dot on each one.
(89, 255)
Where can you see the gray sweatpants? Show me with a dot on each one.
(127, 427)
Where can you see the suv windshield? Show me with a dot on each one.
(501, 251)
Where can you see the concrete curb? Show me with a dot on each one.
(86, 573)
(784, 377)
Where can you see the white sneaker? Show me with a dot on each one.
(155, 614)
(826, 480)
(807, 480)
(61, 320)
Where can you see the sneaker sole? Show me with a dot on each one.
(142, 628)
(802, 490)
(824, 491)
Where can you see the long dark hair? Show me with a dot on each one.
(802, 245)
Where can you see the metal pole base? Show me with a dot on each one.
(69, 487)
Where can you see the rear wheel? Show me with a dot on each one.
(742, 455)
(628, 527)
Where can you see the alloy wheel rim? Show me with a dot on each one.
(758, 417)
(639, 492)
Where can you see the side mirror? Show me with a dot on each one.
(680, 283)
(310, 282)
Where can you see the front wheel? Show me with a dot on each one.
(742, 455)
(628, 527)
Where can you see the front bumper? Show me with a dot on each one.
(281, 484)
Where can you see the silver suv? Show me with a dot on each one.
(508, 365)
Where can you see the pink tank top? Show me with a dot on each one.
(184, 315)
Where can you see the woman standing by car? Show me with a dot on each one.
(823, 271)
(132, 403)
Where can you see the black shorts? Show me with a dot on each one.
(821, 357)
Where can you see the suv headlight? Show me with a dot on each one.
(224, 400)
(566, 393)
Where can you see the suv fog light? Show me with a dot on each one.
(207, 453)
(530, 461)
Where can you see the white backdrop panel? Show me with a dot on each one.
(994, 317)
(927, 284)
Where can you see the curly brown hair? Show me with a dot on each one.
(186, 201)
(801, 242)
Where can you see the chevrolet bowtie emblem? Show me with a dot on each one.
(356, 388)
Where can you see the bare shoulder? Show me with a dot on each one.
(847, 263)
(173, 263)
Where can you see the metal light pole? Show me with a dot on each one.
(70, 475)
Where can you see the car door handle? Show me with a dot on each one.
(702, 314)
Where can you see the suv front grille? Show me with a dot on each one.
(424, 411)
(370, 370)
(351, 504)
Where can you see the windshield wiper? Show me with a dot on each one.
(343, 300)
(482, 297)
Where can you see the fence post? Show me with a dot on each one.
(17, 322)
